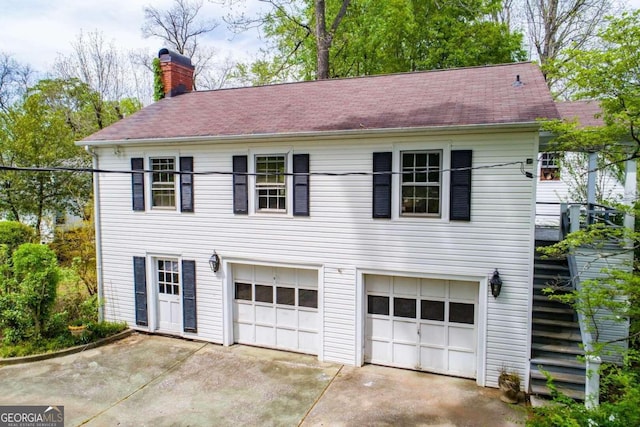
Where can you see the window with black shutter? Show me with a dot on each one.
(137, 183)
(300, 185)
(460, 191)
(240, 188)
(140, 289)
(382, 184)
(189, 311)
(186, 184)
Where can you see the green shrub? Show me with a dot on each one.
(29, 295)
(105, 329)
(14, 234)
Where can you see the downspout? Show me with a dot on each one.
(98, 227)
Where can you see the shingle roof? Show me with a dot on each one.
(586, 112)
(464, 96)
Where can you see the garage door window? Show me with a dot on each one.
(461, 313)
(244, 292)
(432, 310)
(404, 307)
(378, 305)
(286, 296)
(308, 298)
(264, 293)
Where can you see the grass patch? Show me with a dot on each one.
(94, 332)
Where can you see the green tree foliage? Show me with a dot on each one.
(609, 73)
(76, 249)
(377, 37)
(13, 234)
(158, 86)
(28, 296)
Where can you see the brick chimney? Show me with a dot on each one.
(177, 73)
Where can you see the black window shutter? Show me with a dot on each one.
(137, 183)
(300, 185)
(189, 317)
(382, 185)
(460, 195)
(186, 184)
(140, 288)
(240, 188)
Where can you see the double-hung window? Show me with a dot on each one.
(271, 183)
(421, 183)
(163, 182)
(550, 167)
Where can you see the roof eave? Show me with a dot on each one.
(331, 134)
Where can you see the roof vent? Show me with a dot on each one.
(517, 83)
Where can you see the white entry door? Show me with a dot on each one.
(422, 324)
(276, 307)
(169, 295)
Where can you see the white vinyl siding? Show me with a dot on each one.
(339, 236)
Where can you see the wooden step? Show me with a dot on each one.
(554, 310)
(563, 362)
(562, 335)
(557, 323)
(556, 348)
(560, 377)
(544, 391)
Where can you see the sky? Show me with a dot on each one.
(35, 32)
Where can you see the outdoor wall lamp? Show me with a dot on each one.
(214, 262)
(496, 284)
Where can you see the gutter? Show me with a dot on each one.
(97, 222)
(332, 134)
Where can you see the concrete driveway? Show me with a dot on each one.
(159, 381)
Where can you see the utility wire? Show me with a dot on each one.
(174, 172)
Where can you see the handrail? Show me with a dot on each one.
(592, 363)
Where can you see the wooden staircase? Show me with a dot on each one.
(555, 334)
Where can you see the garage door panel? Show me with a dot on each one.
(380, 351)
(308, 278)
(404, 355)
(433, 334)
(463, 290)
(308, 342)
(405, 286)
(308, 320)
(379, 328)
(286, 338)
(244, 313)
(265, 314)
(286, 317)
(463, 338)
(404, 331)
(378, 283)
(433, 288)
(433, 359)
(265, 335)
(243, 333)
(462, 363)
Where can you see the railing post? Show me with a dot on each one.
(591, 187)
(574, 218)
(592, 384)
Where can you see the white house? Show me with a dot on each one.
(562, 175)
(360, 220)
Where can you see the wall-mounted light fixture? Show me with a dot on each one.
(214, 262)
(496, 284)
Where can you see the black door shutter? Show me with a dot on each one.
(382, 185)
(301, 185)
(189, 317)
(460, 196)
(140, 288)
(240, 188)
(137, 183)
(186, 184)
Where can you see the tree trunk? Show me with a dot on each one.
(323, 42)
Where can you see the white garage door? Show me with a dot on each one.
(276, 307)
(422, 324)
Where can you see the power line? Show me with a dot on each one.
(174, 172)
